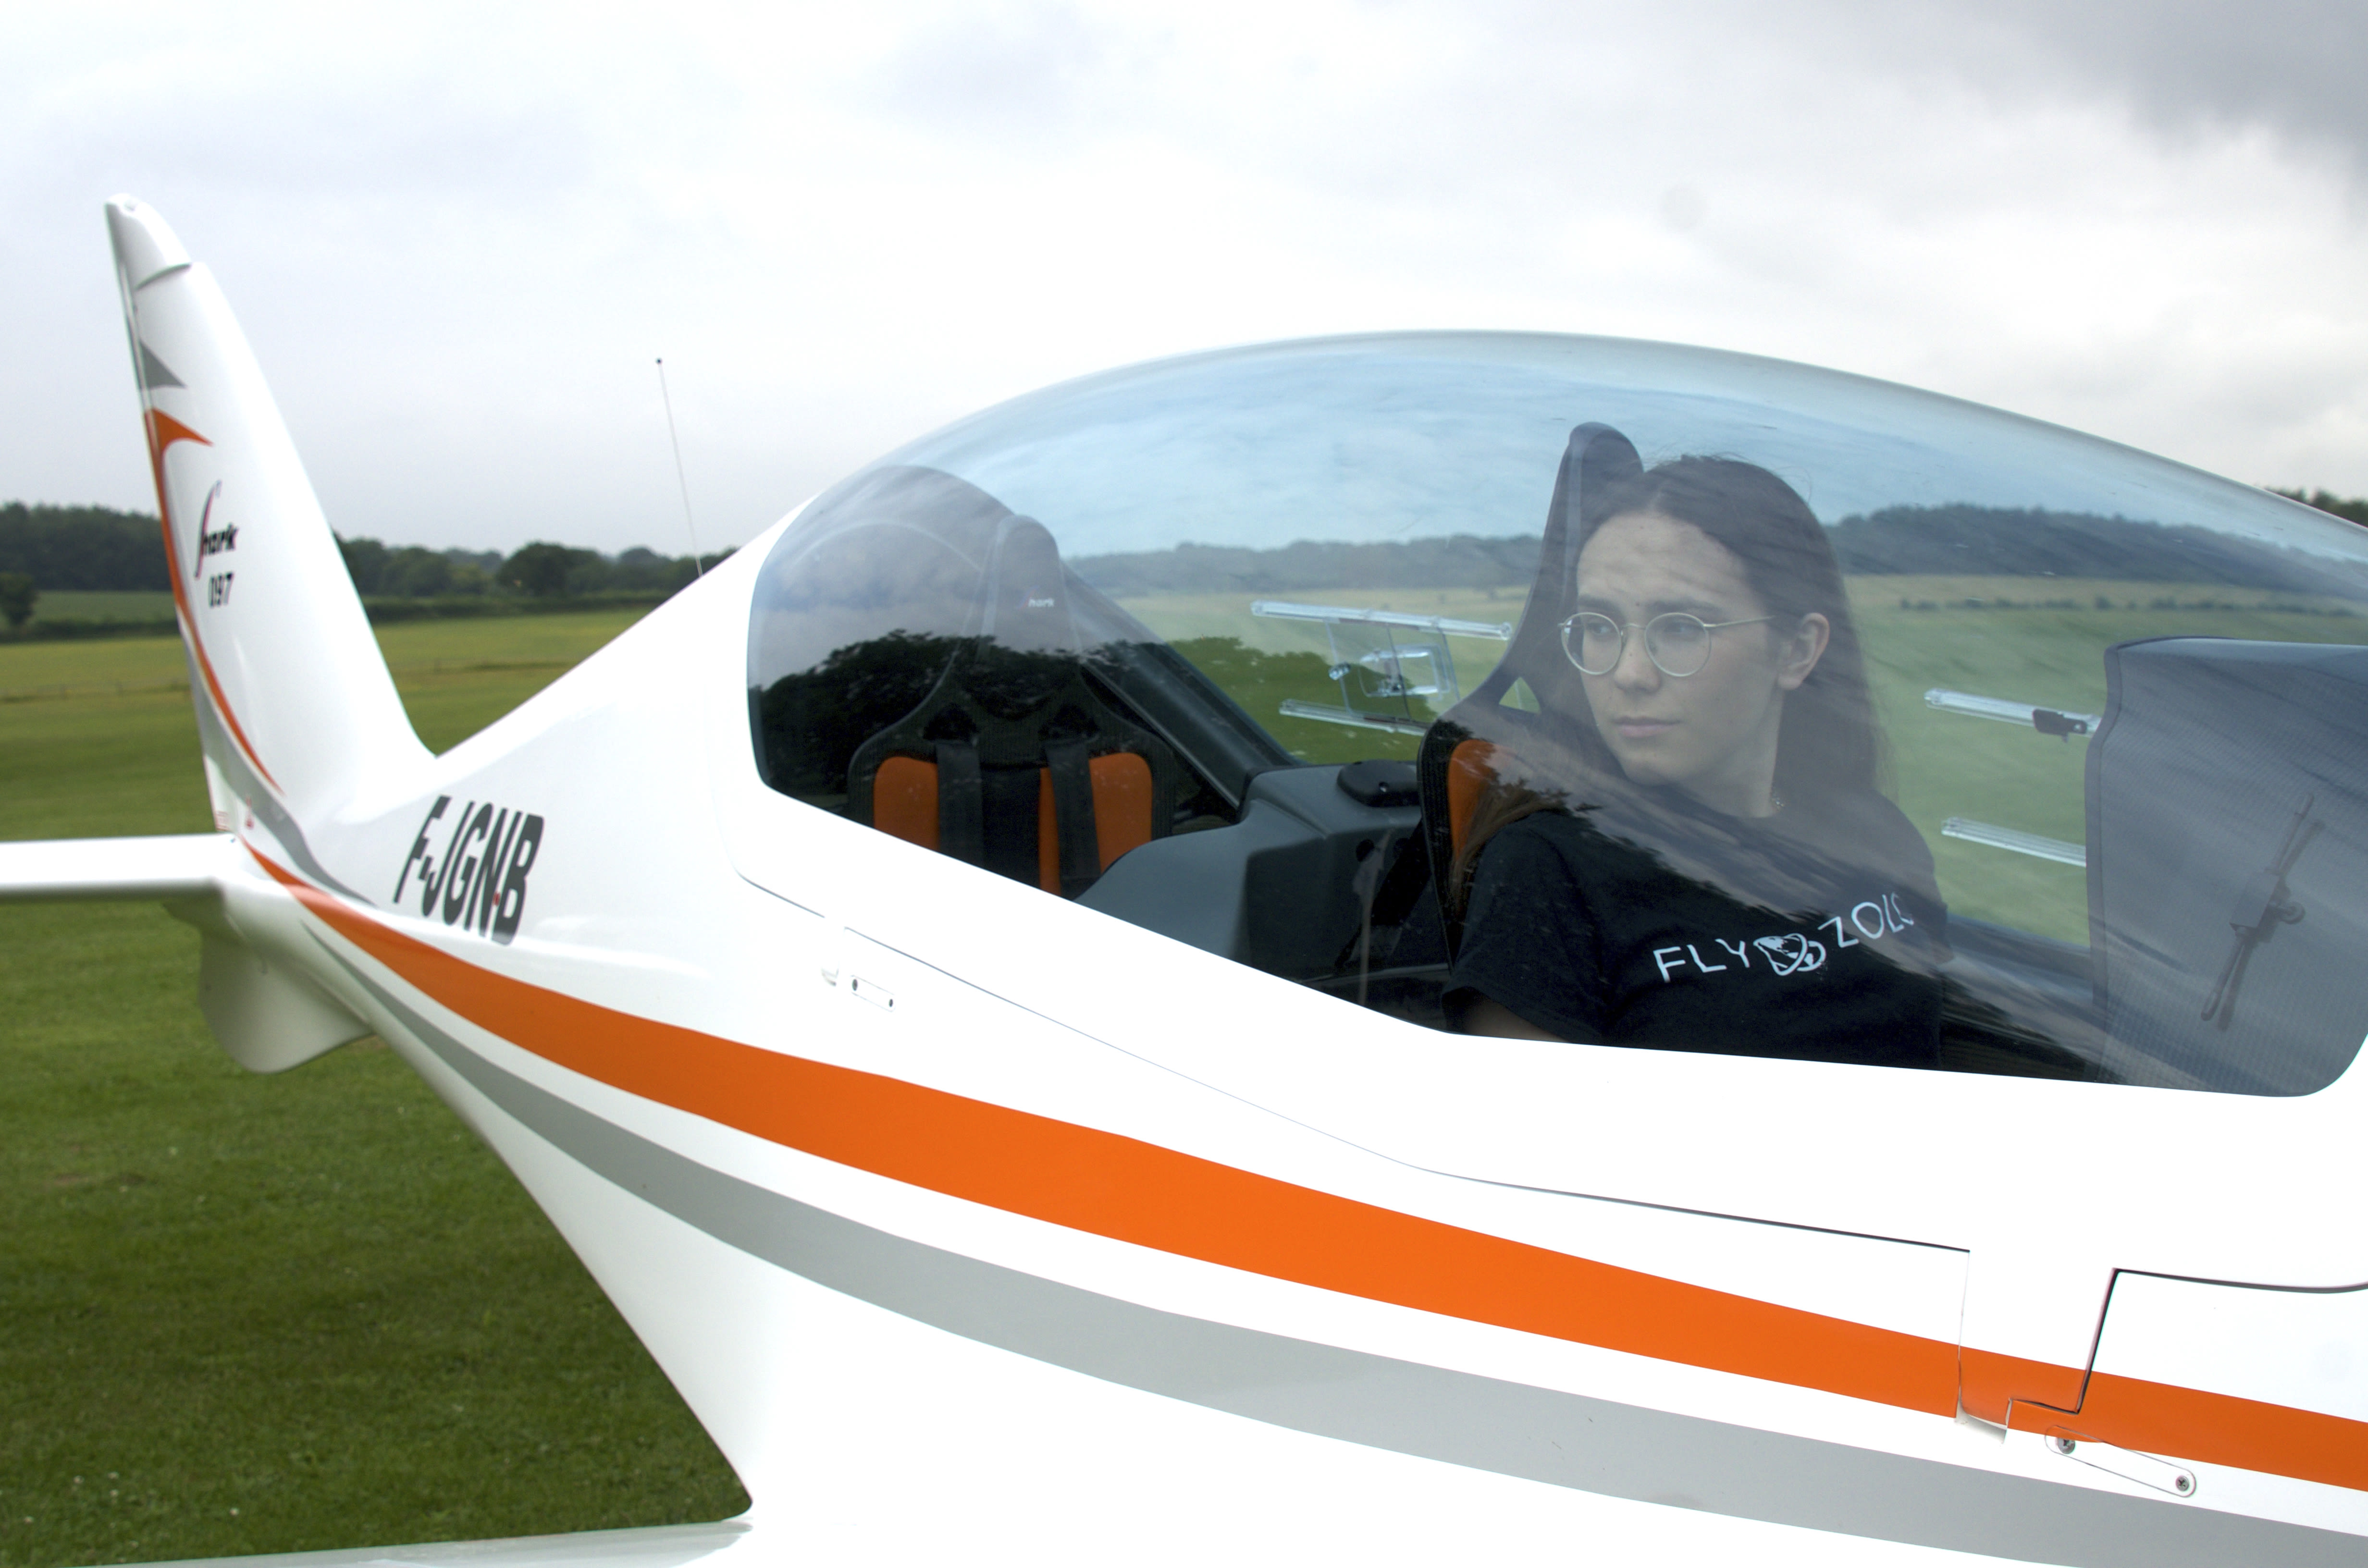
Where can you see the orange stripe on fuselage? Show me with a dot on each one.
(1991, 1385)
(1120, 1188)
(162, 431)
(2164, 1418)
(2216, 1428)
(1131, 1191)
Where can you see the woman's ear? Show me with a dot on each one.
(1798, 654)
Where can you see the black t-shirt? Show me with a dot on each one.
(1670, 925)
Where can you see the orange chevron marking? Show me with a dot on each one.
(1120, 1188)
(162, 431)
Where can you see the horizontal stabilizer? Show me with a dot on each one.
(163, 869)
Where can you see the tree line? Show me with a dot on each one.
(541, 571)
(62, 549)
(1457, 560)
(2354, 510)
(82, 548)
(2015, 541)
(46, 549)
(1943, 540)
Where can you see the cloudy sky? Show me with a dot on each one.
(458, 244)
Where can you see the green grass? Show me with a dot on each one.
(1180, 615)
(456, 676)
(1275, 659)
(2040, 641)
(498, 639)
(314, 1300)
(245, 1314)
(1948, 765)
(42, 669)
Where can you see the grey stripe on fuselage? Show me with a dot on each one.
(1565, 1439)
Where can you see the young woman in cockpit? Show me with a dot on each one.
(1704, 862)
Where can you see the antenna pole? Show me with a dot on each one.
(697, 567)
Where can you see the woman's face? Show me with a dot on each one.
(1713, 733)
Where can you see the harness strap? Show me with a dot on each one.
(962, 803)
(1073, 815)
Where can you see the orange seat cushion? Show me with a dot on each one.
(904, 803)
(904, 800)
(1468, 772)
(1122, 806)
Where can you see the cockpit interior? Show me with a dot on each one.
(1234, 648)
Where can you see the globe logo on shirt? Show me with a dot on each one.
(1792, 953)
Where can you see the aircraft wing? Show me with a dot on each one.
(162, 868)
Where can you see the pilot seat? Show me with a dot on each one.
(1479, 738)
(1012, 761)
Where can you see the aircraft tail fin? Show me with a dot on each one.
(295, 706)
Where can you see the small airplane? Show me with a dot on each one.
(996, 979)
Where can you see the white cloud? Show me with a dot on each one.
(458, 244)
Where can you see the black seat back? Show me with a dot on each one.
(1467, 744)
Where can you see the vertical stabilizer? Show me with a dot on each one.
(295, 706)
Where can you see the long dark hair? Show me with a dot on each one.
(1827, 741)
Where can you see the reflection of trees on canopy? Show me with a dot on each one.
(811, 721)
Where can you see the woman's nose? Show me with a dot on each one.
(1636, 670)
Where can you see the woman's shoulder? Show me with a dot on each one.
(1869, 817)
(1555, 831)
(1575, 843)
(1865, 828)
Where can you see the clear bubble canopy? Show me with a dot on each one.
(2027, 751)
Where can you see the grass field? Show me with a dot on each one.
(245, 1314)
(66, 604)
(2039, 640)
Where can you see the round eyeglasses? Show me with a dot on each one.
(1678, 643)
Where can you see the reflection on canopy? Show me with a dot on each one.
(1118, 639)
